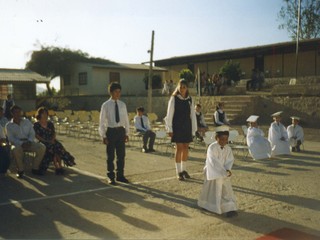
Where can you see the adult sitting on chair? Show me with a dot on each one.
(21, 135)
(142, 125)
(295, 134)
(4, 152)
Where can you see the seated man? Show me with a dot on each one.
(4, 153)
(201, 124)
(278, 136)
(142, 125)
(21, 135)
(3, 119)
(295, 134)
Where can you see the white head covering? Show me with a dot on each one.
(252, 118)
(223, 128)
(294, 117)
(276, 114)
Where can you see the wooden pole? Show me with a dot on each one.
(150, 75)
(297, 38)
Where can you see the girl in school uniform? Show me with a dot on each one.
(181, 124)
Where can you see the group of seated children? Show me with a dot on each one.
(279, 141)
(21, 135)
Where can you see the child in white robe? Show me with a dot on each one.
(295, 134)
(278, 136)
(217, 194)
(259, 146)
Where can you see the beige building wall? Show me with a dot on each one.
(246, 65)
(173, 72)
(214, 66)
(307, 63)
(273, 65)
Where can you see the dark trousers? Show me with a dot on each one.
(148, 135)
(116, 144)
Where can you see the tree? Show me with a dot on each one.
(187, 75)
(231, 71)
(309, 18)
(53, 61)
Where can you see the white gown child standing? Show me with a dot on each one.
(217, 195)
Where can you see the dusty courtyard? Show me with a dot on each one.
(271, 194)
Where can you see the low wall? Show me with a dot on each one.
(306, 107)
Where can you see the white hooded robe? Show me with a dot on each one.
(278, 146)
(217, 194)
(259, 146)
(295, 133)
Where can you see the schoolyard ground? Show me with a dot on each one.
(272, 194)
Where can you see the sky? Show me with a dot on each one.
(120, 30)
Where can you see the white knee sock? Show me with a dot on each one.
(178, 168)
(184, 165)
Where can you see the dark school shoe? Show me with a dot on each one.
(186, 174)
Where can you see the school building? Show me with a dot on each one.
(275, 60)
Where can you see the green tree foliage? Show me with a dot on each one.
(156, 81)
(53, 61)
(231, 71)
(309, 18)
(187, 75)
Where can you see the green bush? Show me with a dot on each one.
(187, 75)
(231, 71)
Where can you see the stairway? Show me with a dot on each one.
(236, 107)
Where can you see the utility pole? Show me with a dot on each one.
(150, 75)
(297, 38)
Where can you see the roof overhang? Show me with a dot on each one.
(9, 76)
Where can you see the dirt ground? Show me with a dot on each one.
(271, 194)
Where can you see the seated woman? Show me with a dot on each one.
(4, 153)
(55, 152)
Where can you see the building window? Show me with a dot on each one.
(83, 78)
(66, 80)
(114, 77)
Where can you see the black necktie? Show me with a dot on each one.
(142, 125)
(117, 113)
(221, 148)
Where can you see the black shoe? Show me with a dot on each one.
(180, 176)
(37, 172)
(293, 149)
(298, 149)
(186, 174)
(151, 150)
(144, 150)
(231, 214)
(112, 181)
(59, 171)
(69, 162)
(20, 174)
(122, 179)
